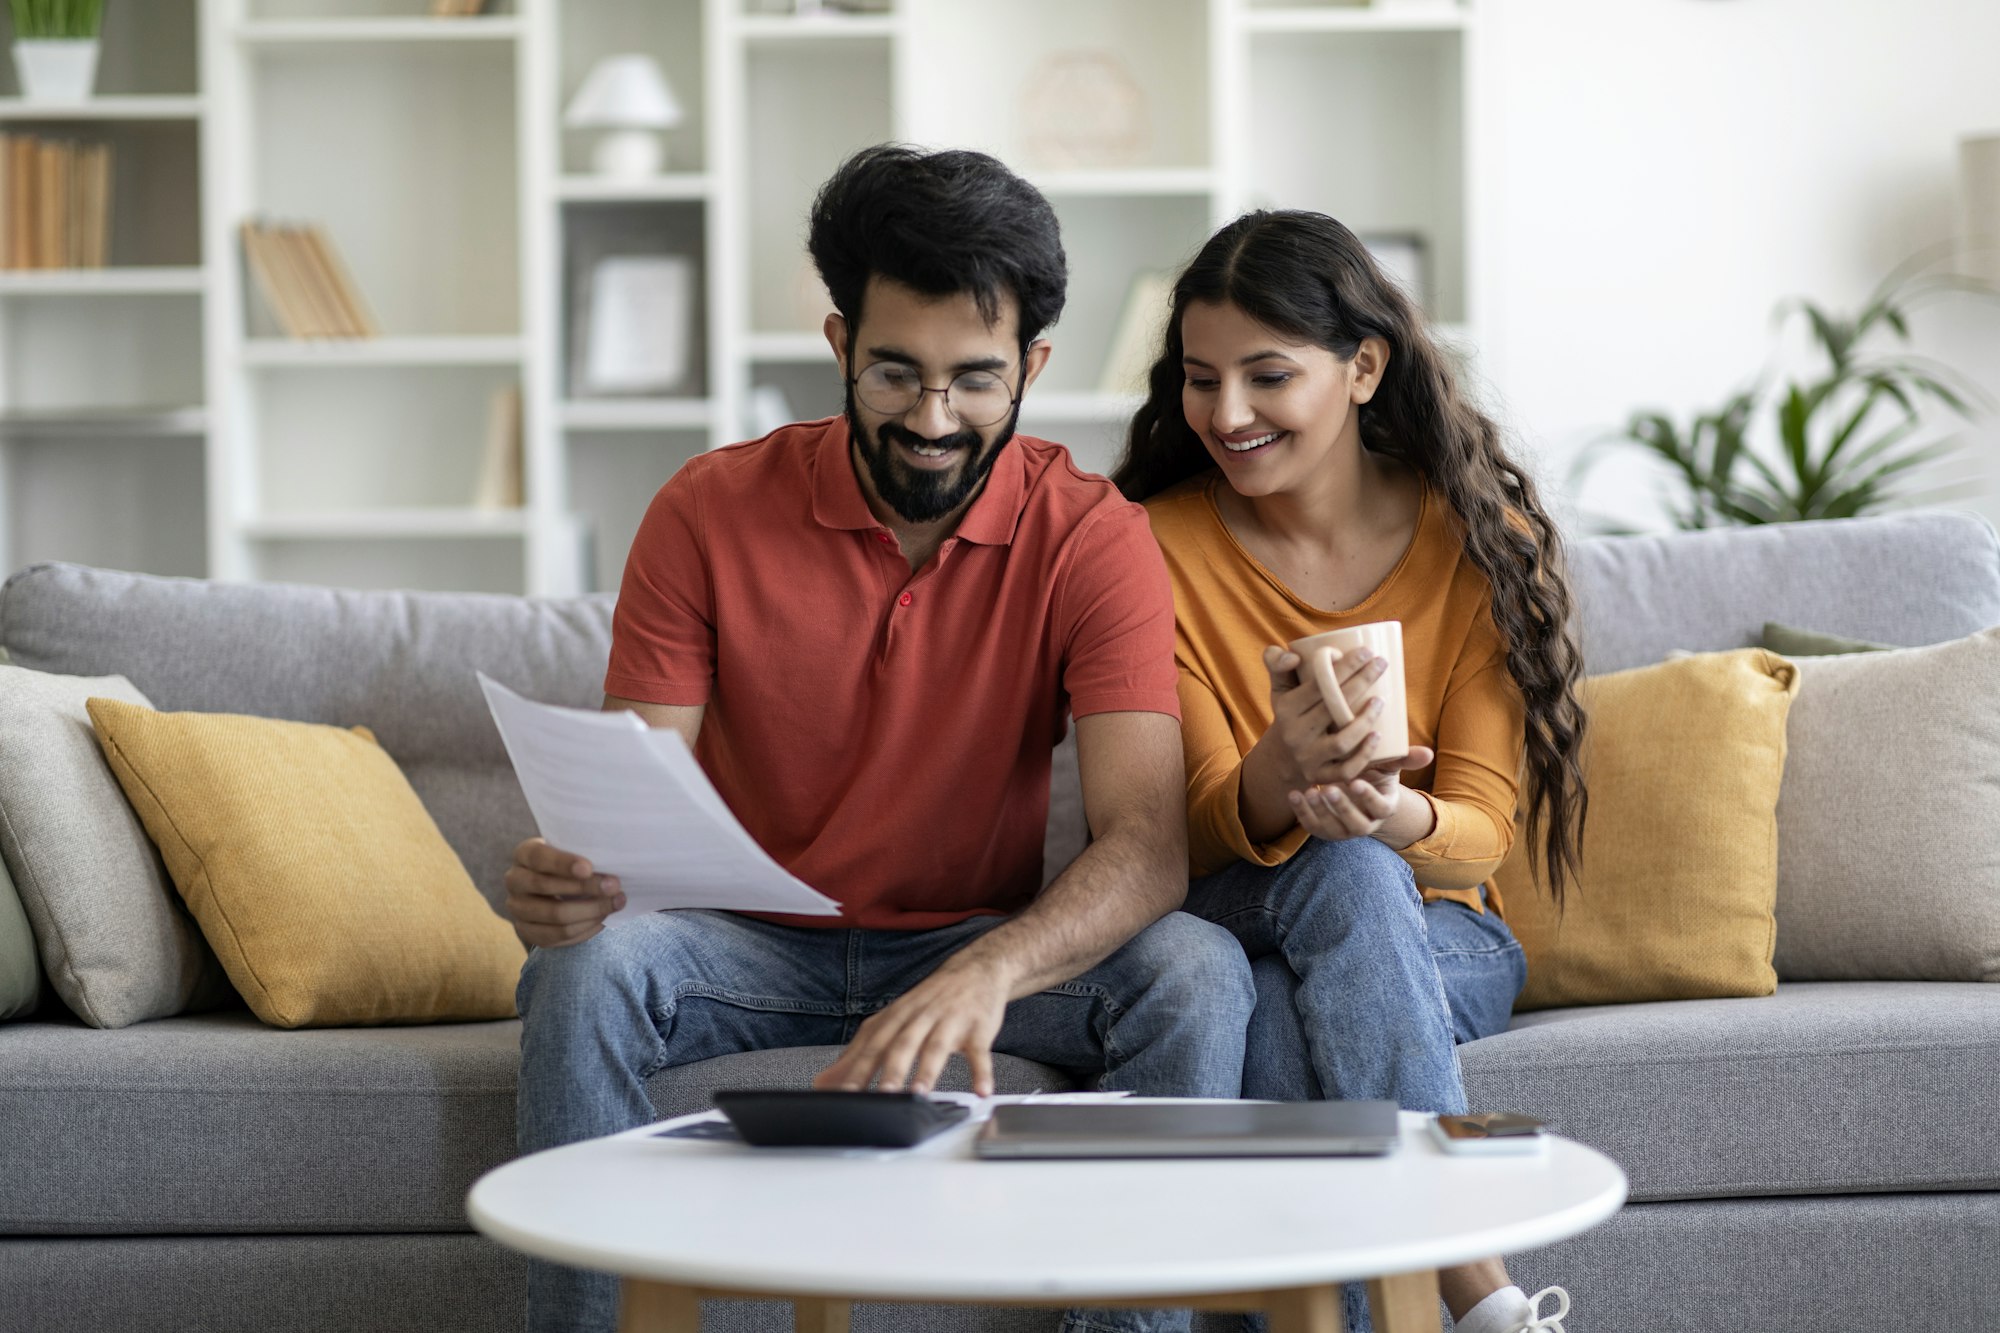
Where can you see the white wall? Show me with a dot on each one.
(1662, 172)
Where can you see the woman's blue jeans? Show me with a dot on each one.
(1363, 991)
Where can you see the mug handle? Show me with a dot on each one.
(1321, 666)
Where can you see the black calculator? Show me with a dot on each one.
(796, 1118)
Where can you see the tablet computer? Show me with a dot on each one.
(1191, 1129)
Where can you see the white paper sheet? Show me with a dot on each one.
(632, 801)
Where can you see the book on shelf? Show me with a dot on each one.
(304, 283)
(501, 462)
(456, 9)
(55, 203)
(1141, 331)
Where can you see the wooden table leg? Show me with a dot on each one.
(1307, 1310)
(658, 1307)
(1405, 1303)
(820, 1316)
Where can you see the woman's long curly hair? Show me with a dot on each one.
(1308, 278)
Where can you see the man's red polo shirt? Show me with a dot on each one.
(886, 735)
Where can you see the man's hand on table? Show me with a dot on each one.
(957, 1008)
(553, 898)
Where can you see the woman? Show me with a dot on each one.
(1309, 463)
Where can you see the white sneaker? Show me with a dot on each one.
(1545, 1323)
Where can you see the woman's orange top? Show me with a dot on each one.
(1463, 702)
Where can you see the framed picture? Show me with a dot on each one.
(634, 324)
(1405, 257)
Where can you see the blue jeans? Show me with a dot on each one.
(1165, 1015)
(1363, 991)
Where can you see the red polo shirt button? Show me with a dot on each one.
(905, 600)
(882, 537)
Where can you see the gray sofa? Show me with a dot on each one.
(1823, 1158)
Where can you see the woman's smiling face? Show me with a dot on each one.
(1269, 410)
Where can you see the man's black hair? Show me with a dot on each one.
(939, 223)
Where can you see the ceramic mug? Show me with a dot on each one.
(1384, 638)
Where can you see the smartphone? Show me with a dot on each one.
(1488, 1134)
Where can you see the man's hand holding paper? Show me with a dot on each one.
(626, 811)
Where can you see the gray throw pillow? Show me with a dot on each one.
(20, 971)
(116, 942)
(1791, 641)
(1888, 867)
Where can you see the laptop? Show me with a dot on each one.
(1190, 1129)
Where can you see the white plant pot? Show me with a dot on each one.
(56, 69)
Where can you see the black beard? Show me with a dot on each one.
(923, 497)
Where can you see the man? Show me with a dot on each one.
(870, 629)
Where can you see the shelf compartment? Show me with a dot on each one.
(371, 438)
(1398, 167)
(119, 352)
(612, 480)
(806, 113)
(375, 31)
(136, 504)
(133, 280)
(13, 109)
(1016, 100)
(148, 49)
(636, 414)
(407, 156)
(596, 232)
(672, 32)
(349, 353)
(788, 348)
(155, 212)
(1132, 236)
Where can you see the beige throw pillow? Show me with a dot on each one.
(1889, 823)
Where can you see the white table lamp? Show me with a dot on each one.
(628, 97)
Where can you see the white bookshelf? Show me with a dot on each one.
(151, 416)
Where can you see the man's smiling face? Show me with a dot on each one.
(923, 462)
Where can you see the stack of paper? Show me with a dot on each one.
(632, 801)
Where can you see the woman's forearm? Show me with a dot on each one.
(1263, 791)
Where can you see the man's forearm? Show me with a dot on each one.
(1120, 885)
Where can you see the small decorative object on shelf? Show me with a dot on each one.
(500, 464)
(628, 97)
(55, 48)
(633, 334)
(1979, 206)
(57, 211)
(1142, 329)
(1404, 257)
(457, 9)
(1084, 110)
(306, 287)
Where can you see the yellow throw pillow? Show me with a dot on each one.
(1679, 881)
(316, 874)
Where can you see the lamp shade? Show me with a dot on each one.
(624, 92)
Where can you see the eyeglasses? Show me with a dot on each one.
(974, 397)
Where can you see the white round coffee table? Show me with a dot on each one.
(683, 1220)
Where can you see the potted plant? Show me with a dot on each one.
(55, 48)
(1828, 440)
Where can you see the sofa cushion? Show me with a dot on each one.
(1640, 598)
(1822, 1088)
(1680, 855)
(313, 869)
(115, 940)
(217, 1123)
(1893, 778)
(20, 967)
(403, 661)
